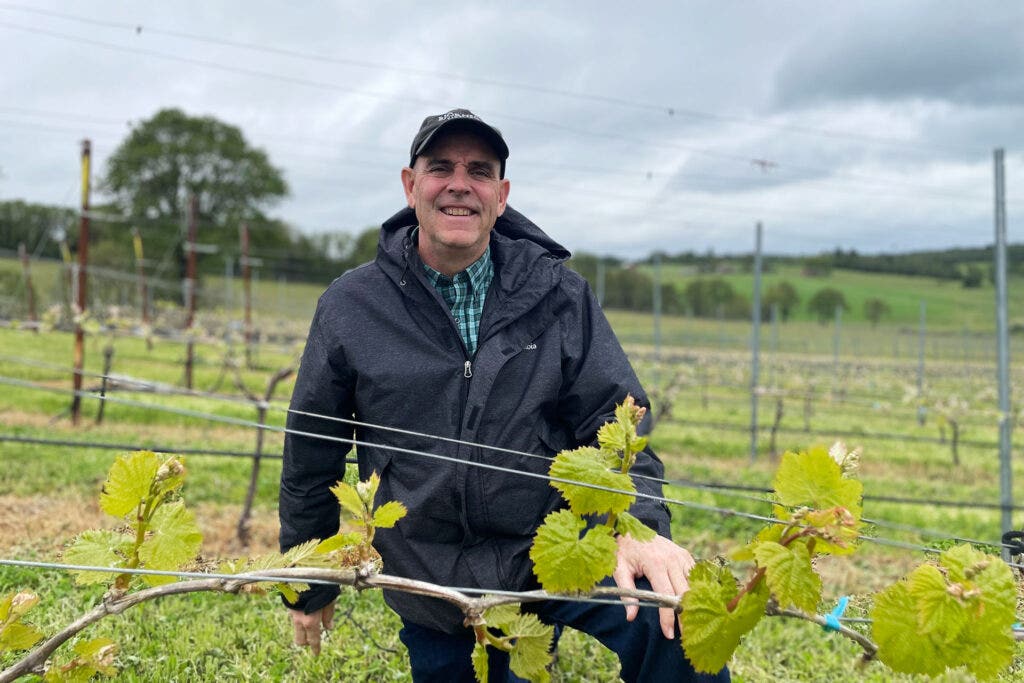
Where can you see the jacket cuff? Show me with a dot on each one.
(315, 598)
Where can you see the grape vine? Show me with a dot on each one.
(957, 611)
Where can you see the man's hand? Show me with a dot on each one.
(665, 565)
(307, 626)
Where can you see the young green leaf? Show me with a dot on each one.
(588, 465)
(348, 497)
(339, 541)
(626, 523)
(790, 576)
(771, 533)
(481, 665)
(97, 548)
(388, 514)
(939, 612)
(710, 632)
(174, 539)
(17, 605)
(502, 616)
(129, 482)
(813, 479)
(565, 562)
(894, 624)
(612, 437)
(531, 647)
(18, 636)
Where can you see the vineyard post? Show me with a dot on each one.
(140, 276)
(656, 314)
(922, 335)
(80, 285)
(190, 287)
(30, 294)
(775, 344)
(720, 314)
(836, 340)
(65, 255)
(246, 263)
(1003, 349)
(600, 280)
(755, 341)
(108, 359)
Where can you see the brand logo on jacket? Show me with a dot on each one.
(530, 347)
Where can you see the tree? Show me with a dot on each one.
(172, 155)
(972, 276)
(783, 295)
(825, 302)
(875, 309)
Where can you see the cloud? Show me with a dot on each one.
(966, 53)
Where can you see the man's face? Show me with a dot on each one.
(457, 195)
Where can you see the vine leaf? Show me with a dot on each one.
(97, 548)
(590, 465)
(174, 539)
(789, 575)
(566, 562)
(531, 647)
(907, 617)
(388, 514)
(628, 524)
(501, 616)
(94, 657)
(894, 629)
(128, 482)
(710, 632)
(941, 613)
(15, 635)
(480, 662)
(339, 541)
(813, 479)
(348, 498)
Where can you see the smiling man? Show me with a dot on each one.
(468, 326)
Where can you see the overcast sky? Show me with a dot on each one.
(671, 125)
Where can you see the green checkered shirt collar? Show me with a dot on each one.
(465, 293)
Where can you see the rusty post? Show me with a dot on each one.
(30, 292)
(83, 263)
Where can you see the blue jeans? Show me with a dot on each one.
(644, 653)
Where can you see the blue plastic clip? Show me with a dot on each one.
(833, 617)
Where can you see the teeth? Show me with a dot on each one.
(452, 211)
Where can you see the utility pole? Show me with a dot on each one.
(30, 292)
(755, 342)
(190, 287)
(82, 279)
(1003, 351)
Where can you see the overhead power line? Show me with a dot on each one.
(664, 109)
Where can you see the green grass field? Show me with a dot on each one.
(48, 493)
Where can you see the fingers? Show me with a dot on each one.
(307, 627)
(328, 616)
(623, 576)
(665, 565)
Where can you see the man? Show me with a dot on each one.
(469, 326)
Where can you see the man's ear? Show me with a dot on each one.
(503, 195)
(408, 179)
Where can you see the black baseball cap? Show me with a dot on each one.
(462, 119)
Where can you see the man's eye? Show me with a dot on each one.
(482, 172)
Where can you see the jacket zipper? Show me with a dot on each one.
(468, 372)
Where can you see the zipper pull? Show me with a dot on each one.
(469, 370)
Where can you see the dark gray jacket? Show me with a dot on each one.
(384, 348)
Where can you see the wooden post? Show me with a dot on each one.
(83, 263)
(190, 287)
(30, 292)
(140, 275)
(246, 292)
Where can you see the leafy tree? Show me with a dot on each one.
(825, 302)
(706, 296)
(875, 309)
(172, 155)
(782, 294)
(972, 276)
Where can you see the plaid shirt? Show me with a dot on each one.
(465, 294)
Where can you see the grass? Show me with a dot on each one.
(50, 492)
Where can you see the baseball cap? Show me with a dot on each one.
(457, 118)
